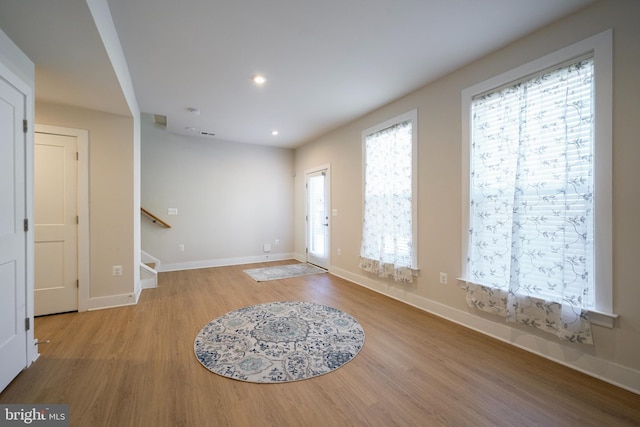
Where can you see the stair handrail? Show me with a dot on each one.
(154, 218)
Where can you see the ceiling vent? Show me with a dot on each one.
(160, 119)
(203, 133)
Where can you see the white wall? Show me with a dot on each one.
(231, 199)
(616, 353)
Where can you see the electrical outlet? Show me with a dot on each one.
(277, 242)
(172, 211)
(117, 270)
(339, 252)
(443, 278)
(180, 248)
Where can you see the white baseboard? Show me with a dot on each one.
(112, 301)
(221, 262)
(613, 373)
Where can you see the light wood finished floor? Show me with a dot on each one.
(134, 366)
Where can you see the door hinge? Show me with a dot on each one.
(27, 324)
(26, 224)
(77, 156)
(306, 250)
(77, 283)
(77, 219)
(25, 126)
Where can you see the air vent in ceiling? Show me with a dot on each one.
(160, 119)
(203, 133)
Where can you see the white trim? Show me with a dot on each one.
(32, 350)
(84, 259)
(103, 20)
(603, 170)
(602, 47)
(146, 257)
(112, 301)
(412, 116)
(300, 257)
(137, 291)
(602, 319)
(222, 262)
(613, 373)
(146, 268)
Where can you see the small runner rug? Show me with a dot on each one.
(279, 342)
(283, 271)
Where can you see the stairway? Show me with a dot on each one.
(149, 271)
(148, 276)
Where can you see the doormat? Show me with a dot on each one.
(283, 271)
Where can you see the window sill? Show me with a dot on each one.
(596, 317)
(601, 318)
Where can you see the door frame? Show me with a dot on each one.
(82, 138)
(325, 167)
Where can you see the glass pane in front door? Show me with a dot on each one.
(317, 219)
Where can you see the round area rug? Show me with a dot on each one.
(279, 342)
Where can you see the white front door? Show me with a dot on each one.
(13, 239)
(318, 218)
(56, 224)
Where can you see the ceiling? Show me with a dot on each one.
(326, 62)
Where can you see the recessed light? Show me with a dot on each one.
(259, 79)
(274, 132)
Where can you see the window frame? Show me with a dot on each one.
(601, 45)
(411, 116)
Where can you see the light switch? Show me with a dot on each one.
(117, 270)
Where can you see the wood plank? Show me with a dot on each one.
(135, 366)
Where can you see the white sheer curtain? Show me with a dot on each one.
(531, 202)
(387, 236)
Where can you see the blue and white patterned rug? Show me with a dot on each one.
(279, 342)
(283, 271)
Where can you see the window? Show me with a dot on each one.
(389, 223)
(538, 196)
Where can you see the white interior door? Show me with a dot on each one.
(318, 218)
(56, 224)
(13, 239)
